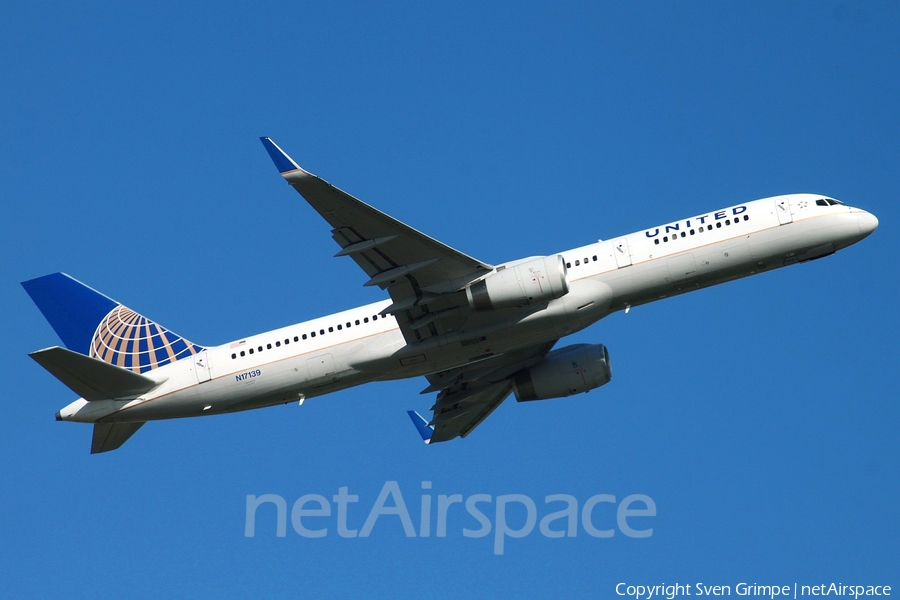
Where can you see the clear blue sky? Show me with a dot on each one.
(761, 416)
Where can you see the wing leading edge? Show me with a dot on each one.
(423, 276)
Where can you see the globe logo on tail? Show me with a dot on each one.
(126, 339)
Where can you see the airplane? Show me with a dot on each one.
(477, 332)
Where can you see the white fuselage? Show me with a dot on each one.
(360, 345)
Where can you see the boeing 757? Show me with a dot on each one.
(477, 332)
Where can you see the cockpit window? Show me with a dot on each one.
(829, 202)
(821, 202)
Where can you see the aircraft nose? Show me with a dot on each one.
(867, 222)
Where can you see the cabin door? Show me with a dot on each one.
(783, 210)
(201, 366)
(620, 250)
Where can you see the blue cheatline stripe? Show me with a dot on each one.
(73, 309)
(282, 161)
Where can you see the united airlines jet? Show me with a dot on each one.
(477, 332)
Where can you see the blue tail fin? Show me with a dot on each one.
(93, 324)
(422, 426)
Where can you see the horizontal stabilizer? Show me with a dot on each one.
(90, 378)
(422, 426)
(109, 436)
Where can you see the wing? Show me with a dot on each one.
(469, 394)
(424, 277)
(458, 413)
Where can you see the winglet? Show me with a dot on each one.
(283, 162)
(422, 426)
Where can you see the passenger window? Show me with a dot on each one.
(577, 262)
(339, 327)
(568, 265)
(374, 317)
(251, 350)
(656, 241)
(277, 344)
(746, 217)
(259, 349)
(728, 221)
(357, 321)
(665, 238)
(585, 260)
(268, 346)
(242, 353)
(595, 258)
(683, 234)
(296, 339)
(312, 334)
(692, 232)
(331, 330)
(366, 320)
(709, 227)
(348, 325)
(304, 336)
(234, 356)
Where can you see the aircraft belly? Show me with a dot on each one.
(277, 383)
(784, 245)
(587, 301)
(376, 355)
(730, 259)
(637, 284)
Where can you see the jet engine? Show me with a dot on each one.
(530, 282)
(570, 370)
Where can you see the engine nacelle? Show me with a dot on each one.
(531, 282)
(570, 370)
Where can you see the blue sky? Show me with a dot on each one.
(760, 416)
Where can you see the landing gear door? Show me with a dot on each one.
(620, 250)
(201, 366)
(783, 210)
